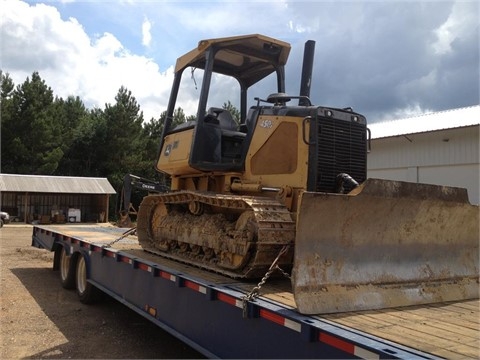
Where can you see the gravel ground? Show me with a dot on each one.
(40, 319)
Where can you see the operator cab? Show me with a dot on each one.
(217, 141)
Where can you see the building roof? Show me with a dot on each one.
(441, 120)
(55, 184)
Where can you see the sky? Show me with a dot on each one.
(385, 59)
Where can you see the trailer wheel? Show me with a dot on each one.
(87, 293)
(67, 270)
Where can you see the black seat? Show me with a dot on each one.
(224, 117)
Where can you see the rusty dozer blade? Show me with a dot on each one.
(386, 244)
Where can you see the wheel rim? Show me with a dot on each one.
(81, 275)
(64, 264)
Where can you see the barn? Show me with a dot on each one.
(439, 148)
(46, 199)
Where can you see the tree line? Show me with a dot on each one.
(43, 134)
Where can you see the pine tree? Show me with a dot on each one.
(31, 141)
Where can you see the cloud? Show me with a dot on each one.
(36, 38)
(460, 22)
(146, 35)
(381, 58)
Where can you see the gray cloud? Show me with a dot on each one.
(385, 58)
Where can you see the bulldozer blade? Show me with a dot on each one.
(385, 244)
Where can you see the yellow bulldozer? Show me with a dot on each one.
(287, 183)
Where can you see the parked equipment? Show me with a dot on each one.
(131, 182)
(286, 180)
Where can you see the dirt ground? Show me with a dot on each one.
(40, 319)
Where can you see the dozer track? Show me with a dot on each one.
(239, 236)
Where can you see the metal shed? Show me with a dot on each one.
(439, 148)
(44, 199)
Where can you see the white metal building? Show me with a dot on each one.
(439, 148)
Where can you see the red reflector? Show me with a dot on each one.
(227, 299)
(272, 317)
(336, 342)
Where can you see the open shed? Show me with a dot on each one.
(32, 198)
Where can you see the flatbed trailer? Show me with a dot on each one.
(208, 311)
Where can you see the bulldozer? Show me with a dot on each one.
(286, 183)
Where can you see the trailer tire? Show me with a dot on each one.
(87, 293)
(67, 270)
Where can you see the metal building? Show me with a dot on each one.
(44, 199)
(439, 148)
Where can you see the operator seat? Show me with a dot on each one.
(224, 117)
(231, 139)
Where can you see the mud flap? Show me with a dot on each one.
(388, 244)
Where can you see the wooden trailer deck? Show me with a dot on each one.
(450, 330)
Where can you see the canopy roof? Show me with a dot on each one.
(54, 184)
(248, 58)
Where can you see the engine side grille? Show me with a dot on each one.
(341, 147)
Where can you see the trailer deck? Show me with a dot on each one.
(207, 310)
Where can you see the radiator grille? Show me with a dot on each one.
(341, 149)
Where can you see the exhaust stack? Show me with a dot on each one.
(307, 69)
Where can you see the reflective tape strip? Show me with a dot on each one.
(278, 319)
(195, 286)
(293, 325)
(168, 276)
(364, 353)
(230, 300)
(337, 343)
(126, 260)
(347, 347)
(110, 254)
(144, 267)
